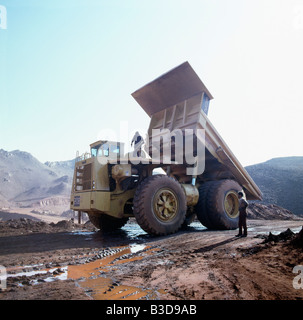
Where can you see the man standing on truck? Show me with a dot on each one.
(243, 204)
(138, 142)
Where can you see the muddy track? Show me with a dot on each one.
(76, 263)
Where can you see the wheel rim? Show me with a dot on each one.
(231, 204)
(165, 205)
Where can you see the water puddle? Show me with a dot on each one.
(137, 247)
(197, 226)
(105, 289)
(93, 276)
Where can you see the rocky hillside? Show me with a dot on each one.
(24, 180)
(281, 181)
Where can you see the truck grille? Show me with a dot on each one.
(83, 177)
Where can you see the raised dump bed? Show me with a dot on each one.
(179, 100)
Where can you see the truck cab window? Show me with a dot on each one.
(104, 150)
(114, 149)
(94, 152)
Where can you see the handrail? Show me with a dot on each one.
(83, 156)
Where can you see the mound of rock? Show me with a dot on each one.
(261, 211)
(283, 236)
(26, 225)
(298, 240)
(63, 224)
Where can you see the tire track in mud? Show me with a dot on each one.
(101, 287)
(94, 274)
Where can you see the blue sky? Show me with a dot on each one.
(68, 68)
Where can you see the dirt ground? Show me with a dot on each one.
(67, 261)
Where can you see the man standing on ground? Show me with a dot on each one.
(243, 204)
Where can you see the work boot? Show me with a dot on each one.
(238, 235)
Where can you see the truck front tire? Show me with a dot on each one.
(160, 205)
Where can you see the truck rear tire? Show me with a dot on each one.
(160, 205)
(106, 223)
(218, 205)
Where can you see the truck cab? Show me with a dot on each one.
(109, 150)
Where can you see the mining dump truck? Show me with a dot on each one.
(200, 177)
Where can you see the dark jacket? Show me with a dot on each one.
(243, 204)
